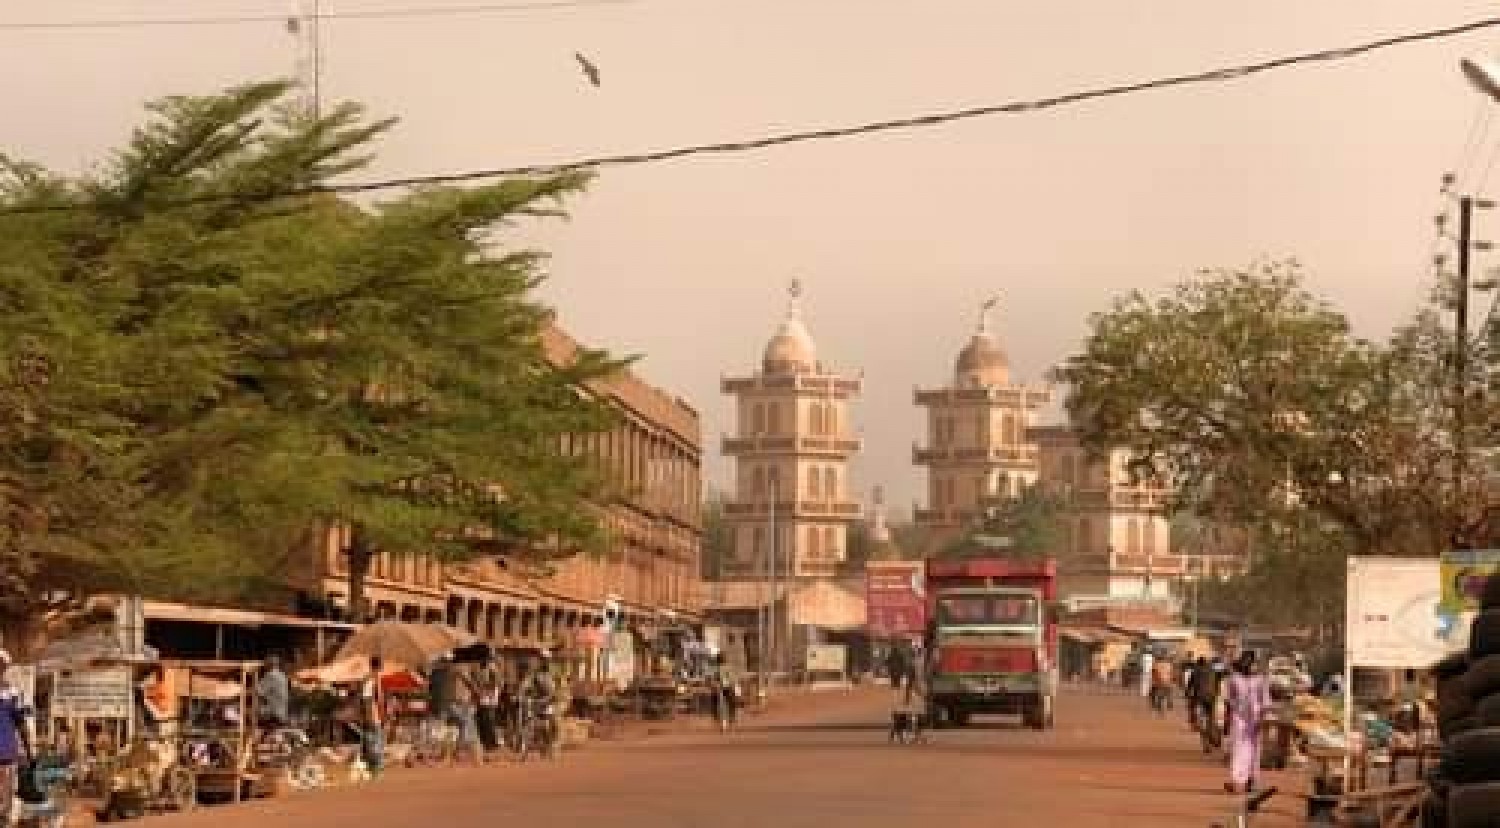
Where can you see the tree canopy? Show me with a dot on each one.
(197, 368)
(1026, 527)
(1253, 397)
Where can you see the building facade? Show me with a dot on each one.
(979, 448)
(1117, 539)
(793, 440)
(650, 569)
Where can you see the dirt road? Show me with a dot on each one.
(818, 763)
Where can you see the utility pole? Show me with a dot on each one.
(775, 629)
(1461, 355)
(305, 27)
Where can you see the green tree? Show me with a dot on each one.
(718, 538)
(1252, 397)
(200, 369)
(1028, 527)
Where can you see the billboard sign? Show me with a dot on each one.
(895, 604)
(1392, 615)
(1464, 572)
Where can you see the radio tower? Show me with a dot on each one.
(304, 25)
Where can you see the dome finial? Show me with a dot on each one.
(984, 313)
(794, 299)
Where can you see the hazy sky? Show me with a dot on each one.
(896, 237)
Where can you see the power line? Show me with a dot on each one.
(368, 14)
(934, 119)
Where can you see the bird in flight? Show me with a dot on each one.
(588, 67)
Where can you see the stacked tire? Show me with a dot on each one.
(1465, 786)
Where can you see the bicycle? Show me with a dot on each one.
(1249, 806)
(536, 730)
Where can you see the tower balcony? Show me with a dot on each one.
(839, 446)
(812, 509)
(944, 517)
(1007, 397)
(1022, 456)
(819, 384)
(1131, 499)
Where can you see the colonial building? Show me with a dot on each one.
(650, 568)
(978, 446)
(792, 444)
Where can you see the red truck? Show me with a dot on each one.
(991, 640)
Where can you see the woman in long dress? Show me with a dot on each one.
(1248, 698)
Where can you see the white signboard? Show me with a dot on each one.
(826, 658)
(1391, 613)
(93, 694)
(619, 659)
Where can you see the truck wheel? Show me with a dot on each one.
(960, 718)
(1034, 715)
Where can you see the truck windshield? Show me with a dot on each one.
(986, 609)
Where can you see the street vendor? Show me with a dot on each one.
(274, 692)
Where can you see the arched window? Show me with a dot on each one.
(1069, 469)
(814, 542)
(830, 483)
(758, 420)
(1012, 430)
(773, 479)
(814, 484)
(1148, 536)
(758, 544)
(757, 481)
(1133, 537)
(831, 542)
(773, 418)
(831, 418)
(816, 416)
(1085, 535)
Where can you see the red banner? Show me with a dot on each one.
(895, 606)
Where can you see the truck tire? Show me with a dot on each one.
(1483, 677)
(960, 718)
(1484, 635)
(1472, 757)
(1474, 806)
(1453, 700)
(1037, 714)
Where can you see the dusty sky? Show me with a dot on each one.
(896, 237)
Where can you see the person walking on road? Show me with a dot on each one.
(900, 664)
(489, 683)
(372, 719)
(1147, 662)
(725, 686)
(1163, 682)
(1248, 700)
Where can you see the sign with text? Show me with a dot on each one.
(93, 694)
(826, 658)
(894, 604)
(1392, 618)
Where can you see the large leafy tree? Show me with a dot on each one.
(199, 369)
(1255, 400)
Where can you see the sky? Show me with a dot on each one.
(895, 237)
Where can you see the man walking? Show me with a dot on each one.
(15, 739)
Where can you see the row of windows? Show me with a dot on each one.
(945, 489)
(652, 464)
(1009, 430)
(767, 418)
(1140, 536)
(820, 484)
(821, 543)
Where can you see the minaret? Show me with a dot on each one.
(791, 447)
(882, 548)
(978, 447)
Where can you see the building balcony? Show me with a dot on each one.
(943, 517)
(822, 384)
(836, 446)
(1023, 456)
(1164, 564)
(1013, 397)
(841, 510)
(1121, 498)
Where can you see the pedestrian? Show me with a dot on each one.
(899, 664)
(15, 739)
(1247, 702)
(1200, 693)
(372, 719)
(274, 693)
(1163, 677)
(464, 717)
(726, 691)
(489, 683)
(1147, 661)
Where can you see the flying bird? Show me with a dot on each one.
(588, 67)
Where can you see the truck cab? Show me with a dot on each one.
(991, 642)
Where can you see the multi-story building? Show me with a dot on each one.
(1117, 539)
(792, 506)
(650, 568)
(978, 448)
